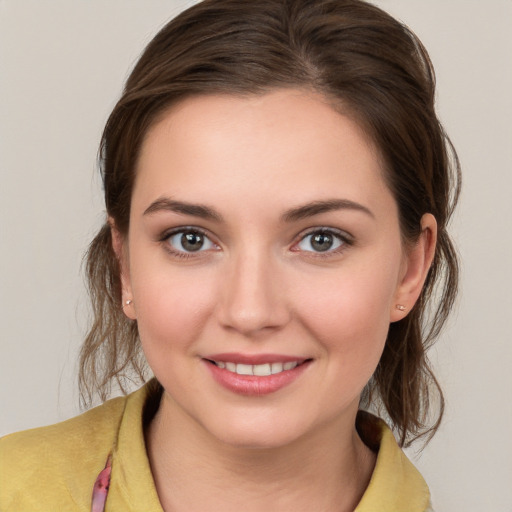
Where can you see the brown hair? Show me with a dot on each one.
(370, 67)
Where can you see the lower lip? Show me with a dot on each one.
(253, 385)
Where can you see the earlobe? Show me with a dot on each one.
(120, 250)
(416, 266)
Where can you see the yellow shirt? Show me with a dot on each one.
(53, 469)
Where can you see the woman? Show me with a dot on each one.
(277, 187)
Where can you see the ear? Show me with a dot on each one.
(119, 245)
(416, 265)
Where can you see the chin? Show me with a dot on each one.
(253, 428)
(257, 439)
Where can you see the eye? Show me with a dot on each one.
(322, 240)
(189, 240)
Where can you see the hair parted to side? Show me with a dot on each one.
(368, 66)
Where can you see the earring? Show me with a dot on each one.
(400, 307)
(128, 302)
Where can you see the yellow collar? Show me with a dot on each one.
(395, 486)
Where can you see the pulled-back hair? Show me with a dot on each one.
(369, 67)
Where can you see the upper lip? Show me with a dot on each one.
(255, 359)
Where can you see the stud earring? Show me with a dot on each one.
(128, 302)
(400, 307)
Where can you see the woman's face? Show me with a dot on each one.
(265, 262)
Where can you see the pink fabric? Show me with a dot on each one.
(100, 489)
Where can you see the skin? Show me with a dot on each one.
(258, 287)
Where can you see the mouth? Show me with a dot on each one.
(258, 370)
(255, 375)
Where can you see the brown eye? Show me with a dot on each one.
(322, 241)
(192, 241)
(189, 241)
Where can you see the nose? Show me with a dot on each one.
(253, 298)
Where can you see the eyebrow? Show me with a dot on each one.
(195, 210)
(294, 214)
(317, 207)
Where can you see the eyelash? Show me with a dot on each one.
(343, 237)
(182, 230)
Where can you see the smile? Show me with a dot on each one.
(255, 374)
(260, 370)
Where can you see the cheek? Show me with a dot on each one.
(349, 315)
(171, 307)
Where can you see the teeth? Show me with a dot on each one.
(244, 369)
(261, 370)
(277, 368)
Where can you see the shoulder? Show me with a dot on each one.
(55, 467)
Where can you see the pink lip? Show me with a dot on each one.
(252, 385)
(233, 357)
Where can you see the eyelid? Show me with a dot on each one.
(164, 237)
(346, 238)
(180, 229)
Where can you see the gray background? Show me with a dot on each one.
(62, 66)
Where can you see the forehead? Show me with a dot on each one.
(284, 146)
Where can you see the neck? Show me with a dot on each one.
(194, 472)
